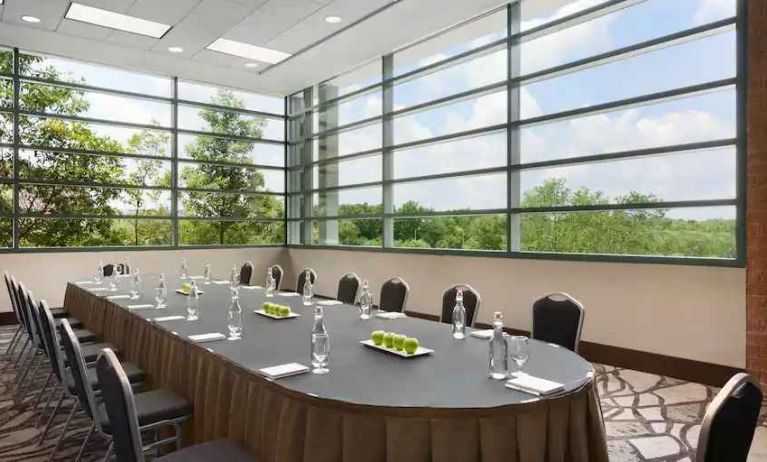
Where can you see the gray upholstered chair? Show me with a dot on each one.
(302, 279)
(394, 293)
(558, 319)
(277, 273)
(730, 421)
(246, 273)
(348, 286)
(471, 301)
(123, 409)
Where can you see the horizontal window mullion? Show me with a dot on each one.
(330, 160)
(95, 89)
(30, 181)
(626, 206)
(445, 100)
(450, 136)
(115, 123)
(229, 137)
(448, 175)
(229, 164)
(632, 102)
(372, 216)
(368, 184)
(91, 153)
(627, 51)
(334, 101)
(219, 108)
(64, 216)
(446, 213)
(256, 219)
(342, 128)
(231, 192)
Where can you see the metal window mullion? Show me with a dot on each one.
(513, 145)
(285, 201)
(387, 153)
(741, 130)
(174, 164)
(16, 142)
(307, 177)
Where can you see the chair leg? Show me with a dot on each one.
(20, 387)
(64, 431)
(109, 451)
(85, 442)
(10, 346)
(41, 393)
(22, 353)
(53, 416)
(46, 406)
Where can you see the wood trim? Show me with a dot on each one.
(686, 369)
(7, 318)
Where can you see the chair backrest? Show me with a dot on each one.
(120, 406)
(348, 286)
(246, 273)
(78, 368)
(471, 301)
(394, 294)
(26, 304)
(730, 420)
(558, 318)
(302, 279)
(36, 321)
(109, 269)
(15, 294)
(51, 340)
(123, 268)
(11, 297)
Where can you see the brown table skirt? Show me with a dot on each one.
(280, 425)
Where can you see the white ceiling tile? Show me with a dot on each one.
(50, 12)
(220, 59)
(272, 18)
(118, 6)
(132, 40)
(82, 29)
(164, 11)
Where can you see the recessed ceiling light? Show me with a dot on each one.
(332, 19)
(175, 49)
(112, 20)
(246, 50)
(32, 19)
(251, 65)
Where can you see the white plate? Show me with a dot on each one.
(421, 351)
(269, 315)
(181, 291)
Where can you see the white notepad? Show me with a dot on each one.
(118, 297)
(211, 337)
(250, 287)
(100, 289)
(533, 385)
(140, 306)
(287, 294)
(484, 334)
(169, 318)
(83, 283)
(284, 370)
(220, 283)
(196, 277)
(330, 302)
(391, 315)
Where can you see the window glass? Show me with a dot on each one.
(471, 232)
(447, 194)
(230, 205)
(211, 232)
(347, 172)
(230, 123)
(101, 232)
(347, 202)
(6, 162)
(363, 232)
(349, 141)
(224, 149)
(363, 76)
(6, 92)
(229, 97)
(347, 111)
(232, 178)
(76, 200)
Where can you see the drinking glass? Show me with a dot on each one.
(136, 285)
(320, 353)
(518, 350)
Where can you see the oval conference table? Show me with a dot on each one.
(371, 406)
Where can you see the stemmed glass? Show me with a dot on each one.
(518, 350)
(136, 285)
(320, 353)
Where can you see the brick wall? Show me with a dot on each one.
(756, 212)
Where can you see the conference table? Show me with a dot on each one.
(371, 406)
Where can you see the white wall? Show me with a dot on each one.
(46, 274)
(690, 312)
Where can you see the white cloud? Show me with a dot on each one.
(712, 10)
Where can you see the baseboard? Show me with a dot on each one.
(7, 318)
(686, 369)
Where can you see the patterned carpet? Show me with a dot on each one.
(647, 418)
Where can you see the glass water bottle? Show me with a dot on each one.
(184, 271)
(308, 289)
(99, 276)
(193, 303)
(161, 292)
(135, 284)
(206, 273)
(269, 283)
(459, 316)
(320, 343)
(366, 301)
(234, 316)
(234, 278)
(499, 350)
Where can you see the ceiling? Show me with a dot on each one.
(369, 29)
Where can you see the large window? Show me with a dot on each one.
(92, 156)
(581, 129)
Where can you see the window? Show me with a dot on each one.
(87, 175)
(603, 128)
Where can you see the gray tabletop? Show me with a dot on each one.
(455, 376)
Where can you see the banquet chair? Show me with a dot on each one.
(302, 279)
(109, 269)
(123, 410)
(394, 294)
(246, 273)
(471, 301)
(558, 319)
(61, 372)
(277, 275)
(19, 333)
(348, 286)
(730, 421)
(152, 406)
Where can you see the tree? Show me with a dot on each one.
(213, 176)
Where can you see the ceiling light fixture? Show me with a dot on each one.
(112, 20)
(333, 19)
(246, 50)
(251, 65)
(175, 49)
(30, 19)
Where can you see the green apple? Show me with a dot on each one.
(265, 307)
(186, 287)
(284, 311)
(411, 345)
(398, 342)
(388, 339)
(377, 337)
